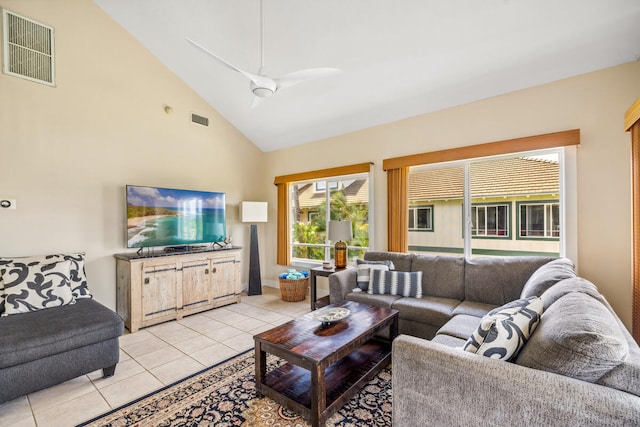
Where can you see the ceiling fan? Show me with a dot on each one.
(263, 86)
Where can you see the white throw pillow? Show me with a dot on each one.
(77, 275)
(30, 288)
(503, 331)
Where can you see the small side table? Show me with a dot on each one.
(314, 273)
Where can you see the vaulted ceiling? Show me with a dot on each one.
(398, 58)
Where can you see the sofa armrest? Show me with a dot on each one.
(341, 283)
(438, 385)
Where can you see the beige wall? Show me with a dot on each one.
(68, 151)
(595, 103)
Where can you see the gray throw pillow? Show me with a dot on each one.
(577, 337)
(384, 262)
(546, 276)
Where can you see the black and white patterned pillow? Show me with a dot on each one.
(364, 274)
(503, 331)
(31, 288)
(77, 275)
(396, 283)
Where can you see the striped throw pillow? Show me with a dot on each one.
(396, 283)
(364, 274)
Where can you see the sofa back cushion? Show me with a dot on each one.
(401, 262)
(577, 337)
(442, 276)
(498, 280)
(567, 286)
(548, 275)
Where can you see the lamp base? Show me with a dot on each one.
(340, 254)
(255, 282)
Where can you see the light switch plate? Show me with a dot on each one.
(7, 203)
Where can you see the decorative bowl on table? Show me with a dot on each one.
(330, 315)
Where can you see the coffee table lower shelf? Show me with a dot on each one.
(290, 385)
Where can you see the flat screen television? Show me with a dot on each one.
(170, 217)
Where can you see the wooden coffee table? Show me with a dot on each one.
(326, 365)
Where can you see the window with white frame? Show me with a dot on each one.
(490, 220)
(476, 202)
(313, 206)
(539, 220)
(421, 218)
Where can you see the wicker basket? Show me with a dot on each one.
(294, 290)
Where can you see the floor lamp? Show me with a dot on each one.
(253, 212)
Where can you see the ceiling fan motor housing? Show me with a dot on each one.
(265, 90)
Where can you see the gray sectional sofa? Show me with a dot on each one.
(43, 345)
(580, 366)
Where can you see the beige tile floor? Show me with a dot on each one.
(154, 357)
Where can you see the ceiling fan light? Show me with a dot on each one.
(262, 92)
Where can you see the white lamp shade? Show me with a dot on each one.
(253, 211)
(340, 230)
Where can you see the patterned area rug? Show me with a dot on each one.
(224, 395)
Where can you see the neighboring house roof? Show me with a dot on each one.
(503, 177)
(357, 191)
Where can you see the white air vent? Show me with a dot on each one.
(28, 49)
(204, 121)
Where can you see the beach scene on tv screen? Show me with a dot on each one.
(164, 217)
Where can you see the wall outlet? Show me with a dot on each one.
(7, 203)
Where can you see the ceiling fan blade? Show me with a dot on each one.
(257, 101)
(253, 77)
(300, 76)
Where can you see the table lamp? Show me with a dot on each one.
(254, 212)
(339, 231)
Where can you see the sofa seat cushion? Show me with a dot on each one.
(30, 336)
(375, 300)
(577, 337)
(432, 310)
(472, 308)
(449, 341)
(547, 276)
(460, 326)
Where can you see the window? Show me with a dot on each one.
(322, 185)
(421, 218)
(302, 237)
(347, 199)
(490, 221)
(478, 197)
(539, 220)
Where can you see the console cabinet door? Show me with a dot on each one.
(224, 278)
(159, 296)
(196, 283)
